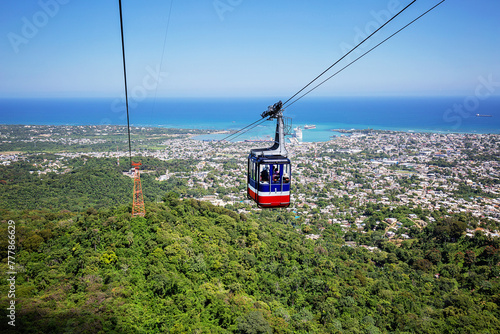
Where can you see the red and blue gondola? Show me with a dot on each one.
(269, 179)
(269, 169)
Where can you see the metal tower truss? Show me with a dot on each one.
(138, 208)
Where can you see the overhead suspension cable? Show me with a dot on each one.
(271, 112)
(126, 90)
(364, 40)
(367, 52)
(262, 120)
(259, 122)
(234, 133)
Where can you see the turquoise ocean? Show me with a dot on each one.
(414, 114)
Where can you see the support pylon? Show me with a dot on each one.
(138, 208)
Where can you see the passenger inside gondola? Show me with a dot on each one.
(264, 175)
(276, 175)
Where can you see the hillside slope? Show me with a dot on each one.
(191, 267)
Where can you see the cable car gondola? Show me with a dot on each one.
(269, 169)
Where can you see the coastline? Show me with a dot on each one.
(402, 114)
(323, 132)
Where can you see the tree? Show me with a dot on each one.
(253, 323)
(422, 264)
(449, 229)
(33, 243)
(434, 255)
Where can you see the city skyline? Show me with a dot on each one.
(222, 48)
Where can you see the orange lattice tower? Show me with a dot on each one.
(138, 208)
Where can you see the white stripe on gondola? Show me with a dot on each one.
(268, 193)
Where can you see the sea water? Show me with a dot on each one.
(418, 114)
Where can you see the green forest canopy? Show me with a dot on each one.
(192, 267)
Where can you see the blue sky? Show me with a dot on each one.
(233, 48)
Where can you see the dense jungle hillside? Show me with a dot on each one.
(191, 267)
(41, 181)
